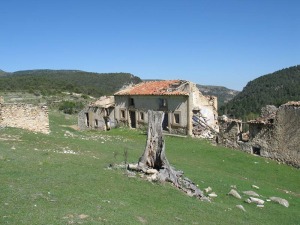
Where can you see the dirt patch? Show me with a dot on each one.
(74, 127)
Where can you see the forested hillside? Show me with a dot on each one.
(48, 82)
(2, 73)
(272, 89)
(222, 93)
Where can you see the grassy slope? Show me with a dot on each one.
(41, 186)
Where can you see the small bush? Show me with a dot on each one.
(70, 107)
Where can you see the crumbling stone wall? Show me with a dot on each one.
(230, 132)
(280, 138)
(95, 117)
(275, 134)
(25, 116)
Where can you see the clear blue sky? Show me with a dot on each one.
(215, 42)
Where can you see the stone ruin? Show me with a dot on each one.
(25, 116)
(275, 134)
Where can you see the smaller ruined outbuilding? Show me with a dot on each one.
(25, 116)
(98, 115)
(275, 134)
(230, 132)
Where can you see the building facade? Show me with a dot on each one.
(98, 115)
(185, 107)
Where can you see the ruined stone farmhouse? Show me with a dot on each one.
(25, 116)
(187, 110)
(98, 115)
(275, 134)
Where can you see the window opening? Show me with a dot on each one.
(176, 118)
(122, 114)
(142, 116)
(131, 102)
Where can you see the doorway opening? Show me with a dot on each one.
(132, 119)
(165, 122)
(87, 120)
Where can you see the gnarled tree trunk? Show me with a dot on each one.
(154, 158)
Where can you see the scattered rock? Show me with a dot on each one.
(281, 201)
(234, 193)
(151, 171)
(254, 186)
(141, 219)
(233, 187)
(83, 216)
(251, 193)
(130, 173)
(68, 134)
(153, 177)
(260, 206)
(189, 193)
(248, 200)
(255, 200)
(213, 195)
(177, 218)
(13, 147)
(241, 207)
(208, 189)
(133, 167)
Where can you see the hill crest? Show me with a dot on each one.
(275, 88)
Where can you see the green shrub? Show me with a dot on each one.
(70, 107)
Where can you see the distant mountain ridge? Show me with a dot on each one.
(54, 81)
(271, 89)
(222, 93)
(46, 81)
(2, 73)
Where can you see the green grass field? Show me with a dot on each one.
(62, 178)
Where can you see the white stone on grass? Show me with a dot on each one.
(234, 193)
(241, 207)
(208, 189)
(257, 201)
(151, 171)
(213, 195)
(251, 193)
(281, 201)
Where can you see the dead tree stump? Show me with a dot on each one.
(154, 157)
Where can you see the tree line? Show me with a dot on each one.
(272, 89)
(49, 82)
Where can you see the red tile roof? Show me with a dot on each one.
(104, 102)
(166, 87)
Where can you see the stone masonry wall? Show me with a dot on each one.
(279, 140)
(229, 132)
(25, 116)
(285, 138)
